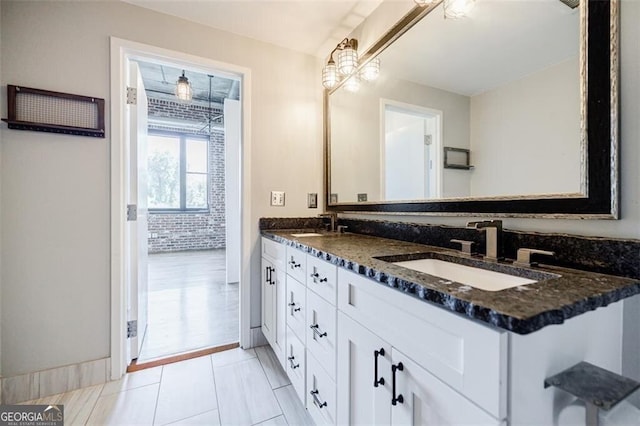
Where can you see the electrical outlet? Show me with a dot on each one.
(312, 200)
(277, 198)
(362, 197)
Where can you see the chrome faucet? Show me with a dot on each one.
(333, 216)
(493, 234)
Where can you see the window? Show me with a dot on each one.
(178, 171)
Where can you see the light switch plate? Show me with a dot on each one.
(312, 200)
(277, 198)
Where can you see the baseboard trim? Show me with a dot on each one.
(40, 384)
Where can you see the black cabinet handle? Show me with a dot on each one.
(268, 275)
(323, 280)
(294, 264)
(316, 330)
(293, 366)
(315, 275)
(395, 399)
(292, 304)
(316, 400)
(377, 381)
(271, 281)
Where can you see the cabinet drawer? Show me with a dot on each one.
(296, 264)
(321, 331)
(322, 278)
(274, 251)
(296, 364)
(321, 393)
(468, 356)
(296, 308)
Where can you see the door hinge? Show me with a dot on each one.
(132, 96)
(132, 328)
(132, 212)
(427, 139)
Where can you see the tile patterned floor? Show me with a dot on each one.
(235, 387)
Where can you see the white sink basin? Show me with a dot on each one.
(473, 277)
(307, 234)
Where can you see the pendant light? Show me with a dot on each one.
(183, 89)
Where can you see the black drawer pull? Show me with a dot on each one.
(323, 280)
(377, 381)
(395, 399)
(315, 275)
(316, 330)
(316, 400)
(294, 264)
(293, 366)
(296, 309)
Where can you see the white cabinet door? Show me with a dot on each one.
(268, 297)
(364, 375)
(280, 307)
(422, 399)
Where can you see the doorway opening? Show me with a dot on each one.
(411, 135)
(193, 300)
(221, 132)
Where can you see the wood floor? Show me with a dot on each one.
(190, 304)
(234, 387)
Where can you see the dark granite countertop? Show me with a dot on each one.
(559, 294)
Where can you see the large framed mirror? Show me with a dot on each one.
(509, 111)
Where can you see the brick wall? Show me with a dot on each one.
(191, 231)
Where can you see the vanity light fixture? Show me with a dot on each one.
(347, 62)
(371, 70)
(183, 89)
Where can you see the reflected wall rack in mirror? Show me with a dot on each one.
(552, 152)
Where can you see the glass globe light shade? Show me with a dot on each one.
(330, 75)
(455, 9)
(347, 60)
(371, 70)
(353, 83)
(183, 89)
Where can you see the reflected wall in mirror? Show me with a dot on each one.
(508, 83)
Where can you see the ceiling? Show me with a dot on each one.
(160, 82)
(309, 26)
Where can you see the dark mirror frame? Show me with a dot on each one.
(602, 129)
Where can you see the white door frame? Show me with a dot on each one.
(419, 110)
(121, 52)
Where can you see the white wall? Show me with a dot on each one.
(55, 192)
(508, 138)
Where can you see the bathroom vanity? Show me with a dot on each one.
(367, 340)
